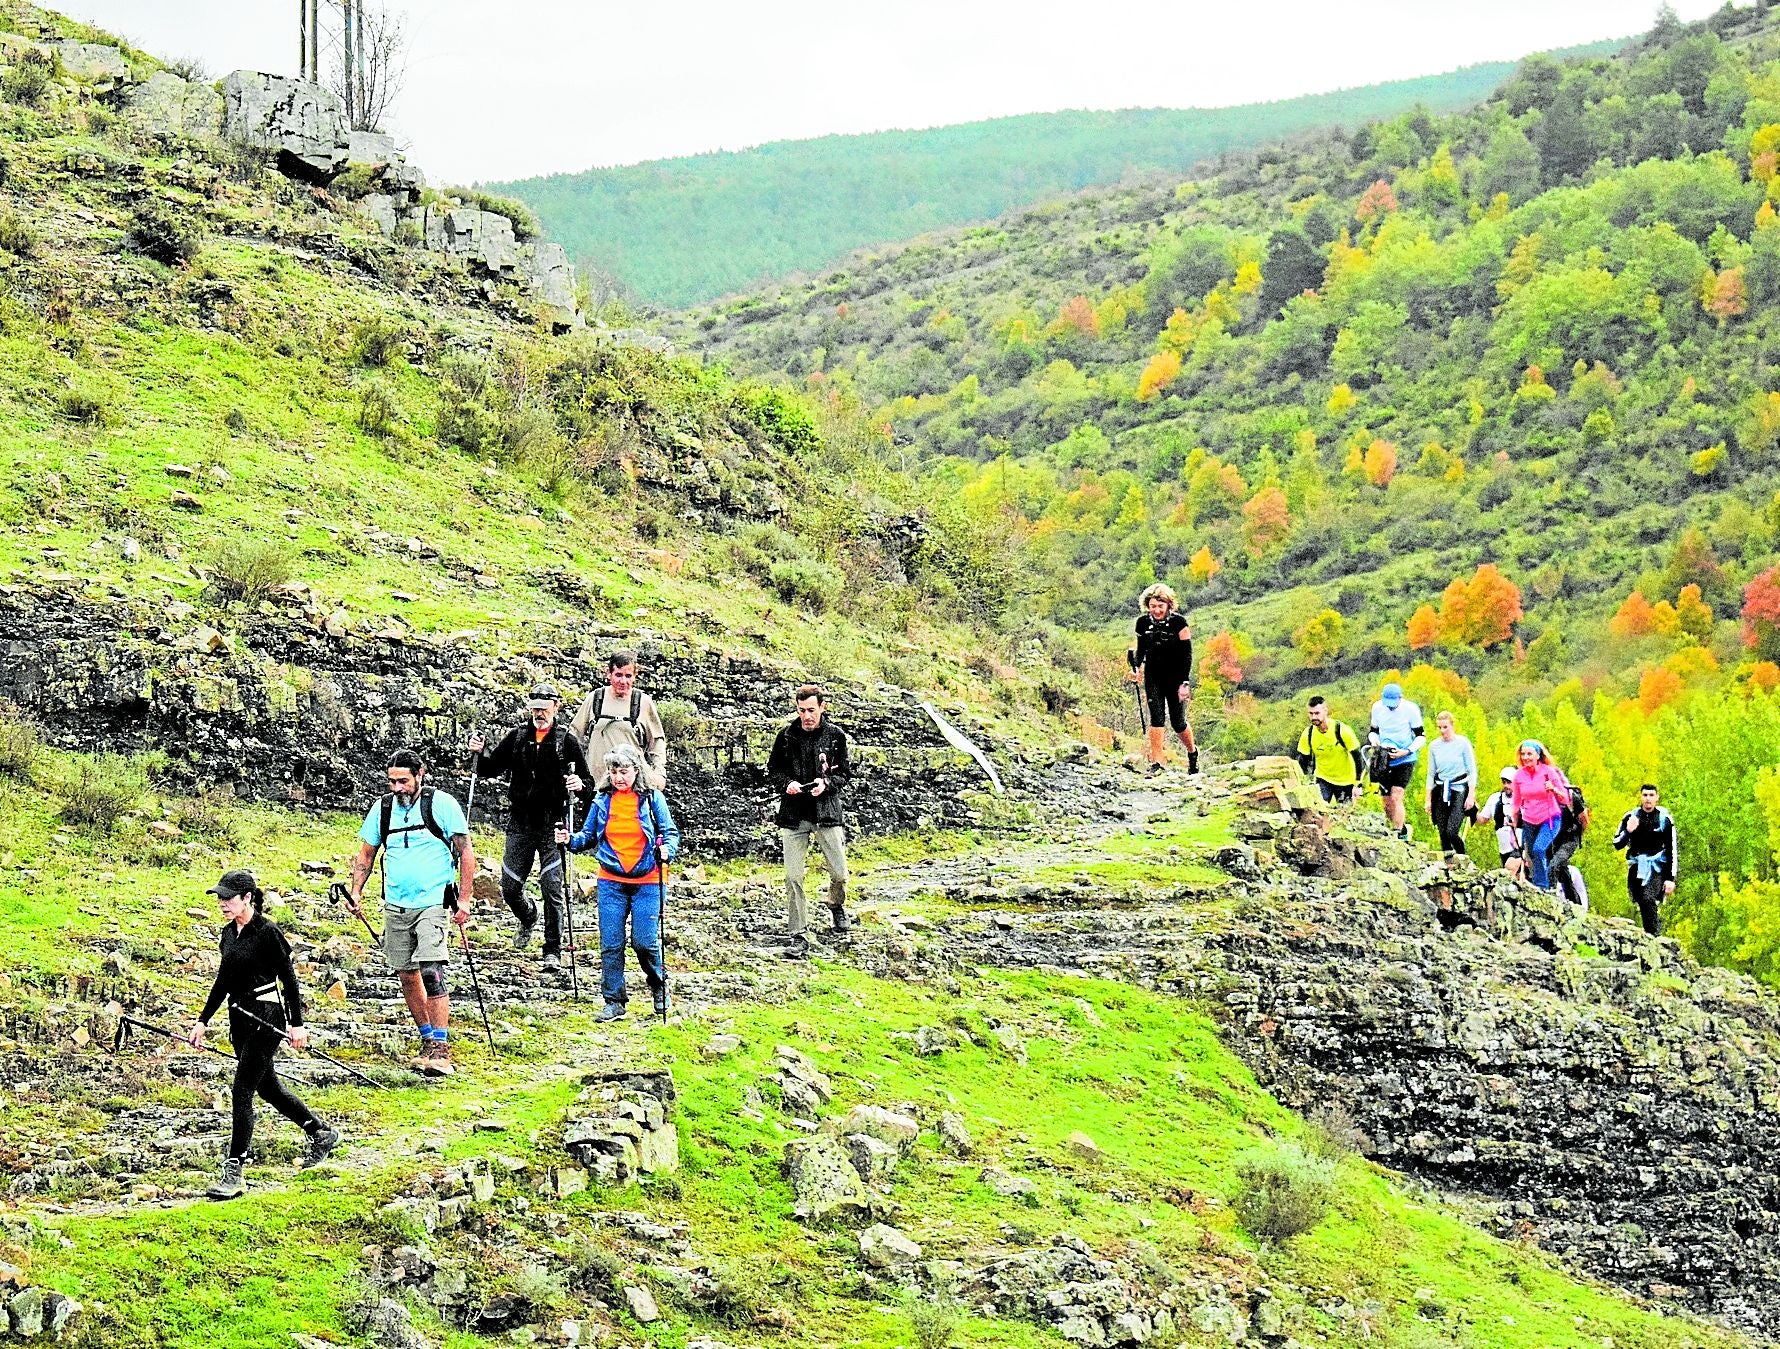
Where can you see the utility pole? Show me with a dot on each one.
(350, 68)
(315, 41)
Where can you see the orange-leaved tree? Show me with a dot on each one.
(1266, 519)
(1632, 618)
(1381, 463)
(1482, 611)
(1222, 659)
(1761, 614)
(1424, 628)
(1202, 566)
(1163, 370)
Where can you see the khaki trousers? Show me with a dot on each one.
(832, 840)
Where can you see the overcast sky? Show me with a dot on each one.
(545, 86)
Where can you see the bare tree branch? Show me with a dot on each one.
(378, 48)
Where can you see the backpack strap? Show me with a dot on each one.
(426, 814)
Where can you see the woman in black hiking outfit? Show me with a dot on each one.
(256, 977)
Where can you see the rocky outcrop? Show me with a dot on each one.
(1596, 1090)
(166, 105)
(303, 124)
(620, 1127)
(306, 707)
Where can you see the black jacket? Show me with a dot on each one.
(1654, 837)
(803, 756)
(255, 973)
(538, 799)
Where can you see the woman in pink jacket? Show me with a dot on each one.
(1540, 794)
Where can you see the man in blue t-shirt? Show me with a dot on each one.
(429, 868)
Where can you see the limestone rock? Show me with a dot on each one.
(641, 1303)
(822, 1177)
(26, 1308)
(483, 237)
(302, 123)
(888, 1126)
(954, 1134)
(872, 1159)
(721, 1046)
(1005, 1183)
(1085, 1147)
(883, 1247)
(93, 62)
(165, 105)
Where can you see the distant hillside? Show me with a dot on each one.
(1490, 395)
(681, 231)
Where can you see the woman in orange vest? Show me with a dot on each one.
(633, 836)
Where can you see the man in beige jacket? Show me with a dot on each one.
(622, 714)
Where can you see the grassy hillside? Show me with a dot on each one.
(1492, 392)
(682, 231)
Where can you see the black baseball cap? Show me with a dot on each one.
(543, 694)
(234, 883)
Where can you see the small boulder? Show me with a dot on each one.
(641, 1303)
(954, 1135)
(1085, 1147)
(822, 1176)
(887, 1126)
(1006, 1184)
(872, 1159)
(883, 1247)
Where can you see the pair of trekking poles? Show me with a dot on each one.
(125, 1023)
(568, 895)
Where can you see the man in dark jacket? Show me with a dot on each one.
(810, 768)
(1647, 836)
(544, 763)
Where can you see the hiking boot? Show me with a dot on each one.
(1152, 770)
(1192, 761)
(435, 1060)
(661, 1002)
(838, 913)
(228, 1185)
(321, 1146)
(610, 1012)
(553, 961)
(798, 948)
(523, 937)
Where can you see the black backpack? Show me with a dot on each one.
(1381, 762)
(638, 732)
(427, 821)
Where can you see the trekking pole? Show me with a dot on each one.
(568, 902)
(341, 895)
(470, 959)
(470, 801)
(119, 1035)
(661, 934)
(1143, 716)
(319, 1053)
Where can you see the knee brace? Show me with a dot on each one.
(432, 979)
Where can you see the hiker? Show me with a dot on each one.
(545, 766)
(634, 836)
(256, 976)
(1495, 810)
(1452, 783)
(1571, 825)
(809, 767)
(1647, 836)
(1163, 661)
(622, 714)
(1540, 793)
(1330, 752)
(1396, 730)
(428, 871)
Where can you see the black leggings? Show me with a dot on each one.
(255, 1074)
(1165, 704)
(1449, 819)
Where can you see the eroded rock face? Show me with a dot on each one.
(302, 123)
(166, 105)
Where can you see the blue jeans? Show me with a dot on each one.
(1538, 851)
(641, 905)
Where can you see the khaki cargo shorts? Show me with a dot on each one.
(416, 937)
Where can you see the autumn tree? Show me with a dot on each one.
(1728, 297)
(1377, 200)
(1693, 561)
(1381, 463)
(1163, 370)
(1761, 614)
(1424, 628)
(1214, 490)
(1632, 618)
(1077, 316)
(1692, 614)
(1266, 519)
(1480, 612)
(1222, 659)
(1657, 686)
(1319, 638)
(1202, 566)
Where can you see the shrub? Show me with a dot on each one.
(190, 69)
(377, 408)
(378, 341)
(1334, 1133)
(84, 402)
(236, 421)
(164, 235)
(933, 1321)
(206, 817)
(1284, 1192)
(677, 719)
(19, 743)
(594, 1269)
(101, 790)
(814, 585)
(248, 568)
(740, 1290)
(15, 235)
(27, 80)
(540, 1289)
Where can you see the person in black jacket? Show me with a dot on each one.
(1647, 835)
(809, 767)
(1162, 659)
(256, 976)
(544, 763)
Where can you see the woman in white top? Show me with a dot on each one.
(1496, 811)
(1452, 783)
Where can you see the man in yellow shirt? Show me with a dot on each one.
(1330, 752)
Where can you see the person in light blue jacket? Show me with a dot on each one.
(1452, 783)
